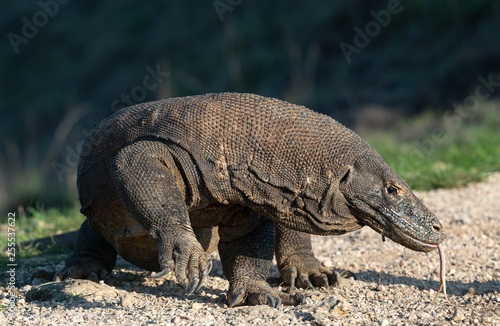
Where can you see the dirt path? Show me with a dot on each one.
(394, 285)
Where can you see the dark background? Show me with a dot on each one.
(59, 79)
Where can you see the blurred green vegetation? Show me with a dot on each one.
(463, 153)
(64, 79)
(37, 222)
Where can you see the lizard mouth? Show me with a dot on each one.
(406, 229)
(398, 235)
(401, 229)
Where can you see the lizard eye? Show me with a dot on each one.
(392, 190)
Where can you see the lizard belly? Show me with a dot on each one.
(126, 235)
(132, 242)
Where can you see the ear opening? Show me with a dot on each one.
(346, 176)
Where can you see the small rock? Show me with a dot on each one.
(341, 309)
(384, 322)
(472, 291)
(458, 315)
(126, 301)
(465, 220)
(333, 308)
(197, 306)
(487, 320)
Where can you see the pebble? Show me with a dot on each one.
(458, 315)
(126, 301)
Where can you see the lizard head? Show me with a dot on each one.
(379, 198)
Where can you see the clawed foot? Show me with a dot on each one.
(185, 256)
(305, 271)
(195, 286)
(254, 292)
(78, 268)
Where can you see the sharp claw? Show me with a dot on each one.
(105, 276)
(270, 300)
(193, 286)
(277, 303)
(59, 276)
(202, 281)
(337, 278)
(309, 284)
(325, 280)
(204, 275)
(237, 298)
(185, 286)
(209, 267)
(200, 285)
(293, 290)
(290, 276)
(161, 274)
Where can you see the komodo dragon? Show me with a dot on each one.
(264, 171)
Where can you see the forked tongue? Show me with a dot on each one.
(442, 272)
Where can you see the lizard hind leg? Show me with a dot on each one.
(152, 190)
(94, 259)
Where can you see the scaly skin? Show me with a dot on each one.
(153, 173)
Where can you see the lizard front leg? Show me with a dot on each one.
(296, 261)
(145, 178)
(246, 260)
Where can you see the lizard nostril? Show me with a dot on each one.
(437, 228)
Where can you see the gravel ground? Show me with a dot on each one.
(394, 285)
